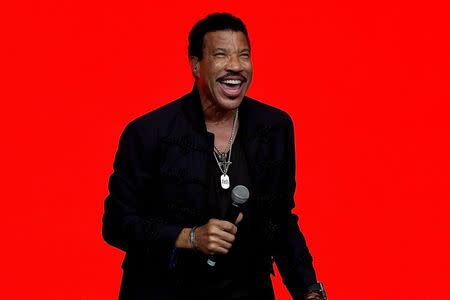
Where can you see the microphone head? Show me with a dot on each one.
(239, 195)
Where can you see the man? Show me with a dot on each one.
(173, 175)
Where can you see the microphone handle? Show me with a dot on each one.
(233, 213)
(231, 216)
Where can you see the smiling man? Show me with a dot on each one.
(175, 174)
(224, 70)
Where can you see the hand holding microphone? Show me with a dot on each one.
(218, 235)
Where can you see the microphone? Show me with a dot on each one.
(239, 195)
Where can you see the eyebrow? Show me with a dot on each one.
(225, 50)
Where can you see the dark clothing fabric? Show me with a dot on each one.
(135, 286)
(223, 280)
(165, 178)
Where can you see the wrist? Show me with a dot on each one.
(192, 238)
(182, 240)
(315, 292)
(313, 296)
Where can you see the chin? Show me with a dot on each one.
(229, 104)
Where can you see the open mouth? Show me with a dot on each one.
(232, 87)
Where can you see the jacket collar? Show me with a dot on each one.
(192, 107)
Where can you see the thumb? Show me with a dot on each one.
(239, 218)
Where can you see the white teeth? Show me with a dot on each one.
(232, 81)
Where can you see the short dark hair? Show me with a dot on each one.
(213, 22)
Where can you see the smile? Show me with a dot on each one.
(231, 88)
(232, 82)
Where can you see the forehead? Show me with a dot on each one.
(226, 39)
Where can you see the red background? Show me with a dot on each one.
(367, 85)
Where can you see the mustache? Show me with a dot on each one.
(234, 75)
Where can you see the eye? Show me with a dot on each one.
(245, 55)
(219, 54)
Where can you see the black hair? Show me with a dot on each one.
(213, 22)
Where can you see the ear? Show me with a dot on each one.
(195, 66)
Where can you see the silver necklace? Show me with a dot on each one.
(223, 159)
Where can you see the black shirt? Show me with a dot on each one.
(231, 278)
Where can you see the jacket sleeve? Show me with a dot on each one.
(292, 255)
(124, 224)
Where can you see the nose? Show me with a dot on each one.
(234, 64)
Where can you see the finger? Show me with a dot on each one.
(219, 250)
(239, 218)
(214, 247)
(225, 236)
(214, 221)
(221, 243)
(227, 226)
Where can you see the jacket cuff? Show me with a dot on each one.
(168, 233)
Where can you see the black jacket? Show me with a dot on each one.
(159, 186)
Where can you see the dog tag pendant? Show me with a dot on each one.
(225, 181)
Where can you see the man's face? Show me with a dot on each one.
(225, 72)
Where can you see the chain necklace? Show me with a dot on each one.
(223, 159)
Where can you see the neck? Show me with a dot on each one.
(215, 114)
